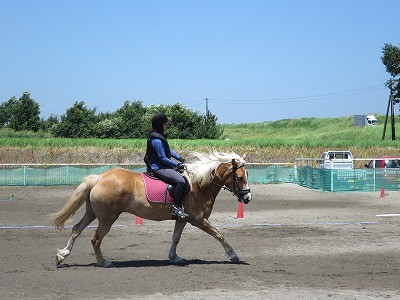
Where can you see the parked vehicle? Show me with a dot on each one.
(384, 162)
(336, 160)
(371, 120)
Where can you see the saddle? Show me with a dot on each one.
(158, 191)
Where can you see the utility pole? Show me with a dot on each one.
(386, 118)
(392, 118)
(207, 113)
(391, 103)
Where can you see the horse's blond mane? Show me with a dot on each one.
(200, 170)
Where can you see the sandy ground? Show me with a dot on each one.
(293, 243)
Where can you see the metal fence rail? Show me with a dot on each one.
(307, 176)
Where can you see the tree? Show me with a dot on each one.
(208, 128)
(391, 59)
(187, 124)
(6, 111)
(183, 122)
(109, 127)
(50, 124)
(133, 124)
(132, 120)
(77, 122)
(25, 114)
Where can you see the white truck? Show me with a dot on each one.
(336, 160)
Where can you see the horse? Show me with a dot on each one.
(118, 190)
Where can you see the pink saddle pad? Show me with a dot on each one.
(156, 190)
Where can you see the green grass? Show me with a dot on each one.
(305, 132)
(311, 132)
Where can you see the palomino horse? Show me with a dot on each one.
(118, 190)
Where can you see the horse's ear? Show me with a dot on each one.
(213, 171)
(244, 156)
(234, 163)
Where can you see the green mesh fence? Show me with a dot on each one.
(314, 178)
(262, 173)
(349, 180)
(28, 175)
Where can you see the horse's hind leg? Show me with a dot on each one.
(76, 231)
(206, 226)
(101, 231)
(176, 237)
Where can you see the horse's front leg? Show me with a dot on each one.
(206, 226)
(176, 237)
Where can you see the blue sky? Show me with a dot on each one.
(254, 60)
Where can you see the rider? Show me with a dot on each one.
(159, 162)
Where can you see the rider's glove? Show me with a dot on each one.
(181, 159)
(180, 166)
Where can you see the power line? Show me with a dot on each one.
(303, 98)
(195, 102)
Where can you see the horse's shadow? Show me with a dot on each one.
(163, 263)
(156, 263)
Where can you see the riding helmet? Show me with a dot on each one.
(158, 121)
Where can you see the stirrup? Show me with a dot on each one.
(179, 212)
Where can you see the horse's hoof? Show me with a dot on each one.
(181, 262)
(59, 259)
(234, 259)
(61, 255)
(108, 264)
(178, 261)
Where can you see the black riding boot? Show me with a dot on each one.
(177, 209)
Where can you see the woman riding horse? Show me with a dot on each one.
(108, 195)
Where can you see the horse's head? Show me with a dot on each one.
(236, 181)
(226, 170)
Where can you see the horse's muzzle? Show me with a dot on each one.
(244, 196)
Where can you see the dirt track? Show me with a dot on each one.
(293, 243)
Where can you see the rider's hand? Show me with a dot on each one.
(181, 166)
(181, 159)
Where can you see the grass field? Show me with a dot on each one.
(281, 140)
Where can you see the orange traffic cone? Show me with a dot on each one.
(382, 192)
(138, 220)
(240, 214)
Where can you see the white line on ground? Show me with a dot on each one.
(48, 227)
(388, 215)
(218, 226)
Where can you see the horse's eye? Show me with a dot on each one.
(239, 178)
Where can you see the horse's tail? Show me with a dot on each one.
(77, 199)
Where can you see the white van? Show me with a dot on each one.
(371, 120)
(336, 160)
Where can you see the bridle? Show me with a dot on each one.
(237, 191)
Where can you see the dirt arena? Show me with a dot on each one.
(293, 243)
